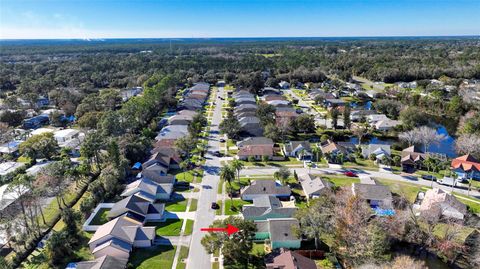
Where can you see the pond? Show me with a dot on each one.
(446, 147)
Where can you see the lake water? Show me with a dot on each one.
(445, 147)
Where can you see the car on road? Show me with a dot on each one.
(222, 140)
(217, 153)
(350, 174)
(215, 206)
(429, 177)
(449, 181)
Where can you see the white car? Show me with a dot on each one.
(449, 181)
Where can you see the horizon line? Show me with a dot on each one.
(245, 37)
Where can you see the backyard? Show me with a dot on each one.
(153, 257)
(170, 227)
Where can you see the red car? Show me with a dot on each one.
(350, 174)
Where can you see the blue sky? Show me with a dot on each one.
(236, 18)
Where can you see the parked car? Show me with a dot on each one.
(350, 174)
(182, 184)
(215, 206)
(449, 181)
(222, 140)
(217, 153)
(429, 177)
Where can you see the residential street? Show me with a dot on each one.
(198, 258)
(270, 171)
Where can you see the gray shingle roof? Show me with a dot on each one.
(264, 205)
(281, 229)
(313, 185)
(104, 262)
(267, 187)
(372, 192)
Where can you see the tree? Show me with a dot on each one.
(360, 131)
(429, 136)
(468, 144)
(70, 217)
(230, 126)
(227, 174)
(237, 165)
(12, 118)
(39, 146)
(404, 262)
(265, 158)
(334, 113)
(346, 117)
(391, 108)
(414, 117)
(283, 174)
(236, 247)
(318, 218)
(304, 123)
(58, 247)
(195, 127)
(52, 181)
(266, 113)
(272, 131)
(92, 145)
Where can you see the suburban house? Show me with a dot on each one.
(466, 166)
(70, 138)
(357, 115)
(180, 119)
(379, 150)
(375, 195)
(164, 133)
(320, 93)
(386, 125)
(9, 167)
(266, 207)
(373, 118)
(191, 104)
(251, 126)
(334, 103)
(246, 114)
(244, 100)
(273, 97)
(265, 187)
(270, 90)
(255, 141)
(284, 115)
(313, 187)
(167, 157)
(245, 108)
(10, 147)
(103, 262)
(138, 208)
(298, 149)
(278, 103)
(255, 151)
(278, 232)
(9, 198)
(412, 158)
(333, 148)
(118, 237)
(37, 168)
(284, 85)
(288, 259)
(149, 189)
(442, 204)
(36, 122)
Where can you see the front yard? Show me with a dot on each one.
(176, 206)
(170, 227)
(153, 257)
(234, 207)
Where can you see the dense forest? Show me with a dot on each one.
(44, 66)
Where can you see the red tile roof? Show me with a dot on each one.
(466, 163)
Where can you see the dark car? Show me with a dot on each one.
(217, 153)
(350, 174)
(222, 140)
(429, 177)
(183, 184)
(215, 206)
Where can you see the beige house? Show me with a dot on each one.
(443, 204)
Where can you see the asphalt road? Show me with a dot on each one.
(198, 258)
(419, 181)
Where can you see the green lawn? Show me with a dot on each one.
(215, 265)
(237, 206)
(176, 206)
(101, 217)
(185, 176)
(153, 257)
(258, 249)
(189, 227)
(193, 205)
(220, 187)
(410, 191)
(170, 227)
(219, 210)
(361, 164)
(341, 181)
(474, 207)
(183, 256)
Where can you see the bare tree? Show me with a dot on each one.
(429, 136)
(468, 144)
(411, 137)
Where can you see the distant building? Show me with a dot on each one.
(284, 85)
(412, 158)
(298, 149)
(375, 195)
(466, 167)
(265, 187)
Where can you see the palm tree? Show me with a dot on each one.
(316, 151)
(227, 174)
(237, 165)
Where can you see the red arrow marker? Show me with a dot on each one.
(230, 229)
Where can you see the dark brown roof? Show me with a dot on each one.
(291, 260)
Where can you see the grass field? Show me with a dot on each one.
(171, 227)
(193, 205)
(341, 181)
(219, 210)
(176, 206)
(183, 256)
(401, 188)
(153, 258)
(101, 217)
(237, 206)
(189, 227)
